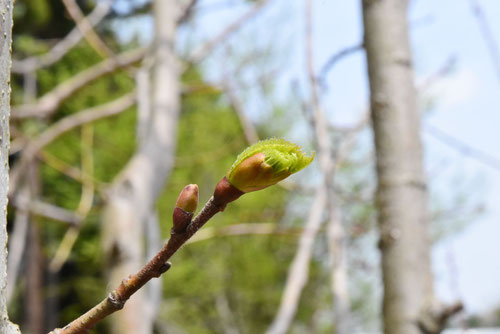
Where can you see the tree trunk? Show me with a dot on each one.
(6, 327)
(402, 192)
(133, 194)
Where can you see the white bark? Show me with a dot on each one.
(133, 193)
(6, 327)
(299, 269)
(336, 234)
(402, 192)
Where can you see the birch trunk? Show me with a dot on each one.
(133, 194)
(6, 327)
(402, 193)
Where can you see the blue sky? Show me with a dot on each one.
(465, 105)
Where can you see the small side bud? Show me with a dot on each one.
(188, 198)
(184, 208)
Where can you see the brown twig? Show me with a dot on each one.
(48, 104)
(115, 301)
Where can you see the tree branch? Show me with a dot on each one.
(299, 269)
(154, 268)
(487, 34)
(248, 128)
(48, 104)
(86, 29)
(463, 148)
(47, 210)
(34, 63)
(335, 58)
(242, 229)
(205, 49)
(86, 200)
(63, 126)
(186, 11)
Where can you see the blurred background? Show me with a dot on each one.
(118, 104)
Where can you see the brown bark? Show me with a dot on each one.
(224, 194)
(402, 191)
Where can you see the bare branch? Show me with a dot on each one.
(205, 49)
(17, 245)
(154, 268)
(49, 103)
(441, 72)
(63, 126)
(487, 33)
(60, 49)
(248, 128)
(335, 58)
(227, 317)
(86, 29)
(336, 233)
(299, 269)
(242, 229)
(43, 209)
(186, 11)
(64, 168)
(86, 200)
(463, 148)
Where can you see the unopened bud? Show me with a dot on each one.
(188, 198)
(184, 208)
(266, 163)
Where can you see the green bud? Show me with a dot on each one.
(266, 163)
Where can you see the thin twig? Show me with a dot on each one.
(248, 128)
(205, 49)
(86, 29)
(40, 208)
(299, 269)
(186, 11)
(48, 104)
(444, 70)
(86, 200)
(66, 169)
(335, 58)
(241, 230)
(463, 148)
(17, 245)
(34, 63)
(487, 34)
(154, 268)
(336, 233)
(63, 126)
